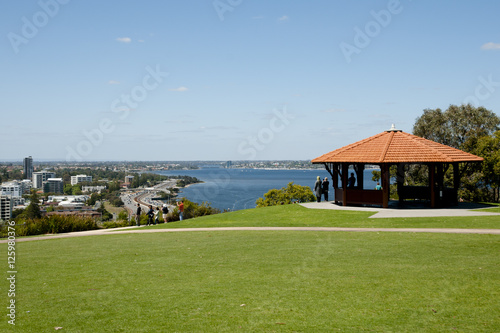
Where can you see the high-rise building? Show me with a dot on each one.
(80, 179)
(53, 185)
(41, 176)
(5, 207)
(28, 167)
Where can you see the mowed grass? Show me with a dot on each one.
(258, 281)
(298, 216)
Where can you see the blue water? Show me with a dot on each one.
(237, 189)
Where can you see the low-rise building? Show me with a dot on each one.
(80, 179)
(91, 189)
(75, 201)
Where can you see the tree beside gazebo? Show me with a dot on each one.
(474, 130)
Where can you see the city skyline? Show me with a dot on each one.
(233, 80)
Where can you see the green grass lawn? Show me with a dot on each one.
(258, 281)
(493, 209)
(298, 216)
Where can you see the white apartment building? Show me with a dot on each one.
(5, 207)
(90, 189)
(72, 201)
(40, 177)
(71, 198)
(13, 189)
(80, 179)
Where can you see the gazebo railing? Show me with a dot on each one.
(360, 197)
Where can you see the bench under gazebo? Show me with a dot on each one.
(395, 147)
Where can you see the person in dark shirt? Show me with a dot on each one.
(351, 181)
(138, 214)
(150, 214)
(324, 188)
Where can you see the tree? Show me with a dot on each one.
(470, 129)
(73, 189)
(106, 216)
(488, 147)
(114, 186)
(116, 201)
(33, 209)
(94, 197)
(458, 127)
(286, 195)
(68, 189)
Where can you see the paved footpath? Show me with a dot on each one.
(461, 210)
(143, 230)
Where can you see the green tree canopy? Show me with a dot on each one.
(286, 195)
(473, 130)
(488, 147)
(33, 209)
(458, 126)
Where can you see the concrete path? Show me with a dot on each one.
(134, 230)
(463, 209)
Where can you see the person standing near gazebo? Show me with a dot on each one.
(351, 181)
(324, 188)
(317, 189)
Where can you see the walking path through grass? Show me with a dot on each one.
(132, 230)
(463, 210)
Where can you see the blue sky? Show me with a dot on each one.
(233, 79)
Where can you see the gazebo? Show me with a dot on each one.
(395, 147)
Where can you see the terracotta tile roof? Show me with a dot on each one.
(396, 147)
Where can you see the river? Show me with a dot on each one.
(236, 189)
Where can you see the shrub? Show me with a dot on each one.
(287, 195)
(123, 215)
(192, 209)
(52, 225)
(115, 224)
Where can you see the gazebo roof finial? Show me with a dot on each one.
(394, 129)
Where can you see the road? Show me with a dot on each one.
(145, 196)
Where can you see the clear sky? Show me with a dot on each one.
(233, 79)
